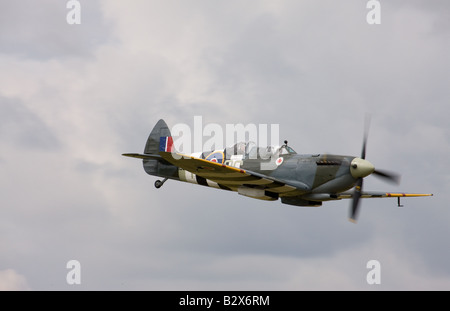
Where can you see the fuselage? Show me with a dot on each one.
(310, 173)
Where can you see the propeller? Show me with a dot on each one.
(355, 202)
(388, 176)
(360, 168)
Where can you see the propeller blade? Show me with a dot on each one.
(366, 134)
(388, 176)
(355, 201)
(363, 152)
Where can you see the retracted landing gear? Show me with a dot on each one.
(159, 183)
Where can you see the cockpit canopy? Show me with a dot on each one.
(285, 149)
(249, 150)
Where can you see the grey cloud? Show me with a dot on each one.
(261, 228)
(22, 128)
(313, 69)
(39, 30)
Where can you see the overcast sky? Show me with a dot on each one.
(73, 98)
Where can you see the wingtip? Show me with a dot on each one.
(352, 220)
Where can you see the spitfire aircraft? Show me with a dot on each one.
(267, 173)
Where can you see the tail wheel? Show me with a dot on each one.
(159, 183)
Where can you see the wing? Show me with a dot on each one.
(230, 176)
(372, 194)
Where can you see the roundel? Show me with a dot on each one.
(216, 157)
(279, 161)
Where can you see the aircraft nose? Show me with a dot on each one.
(361, 168)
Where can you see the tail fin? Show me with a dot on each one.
(159, 139)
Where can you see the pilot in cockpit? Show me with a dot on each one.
(240, 148)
